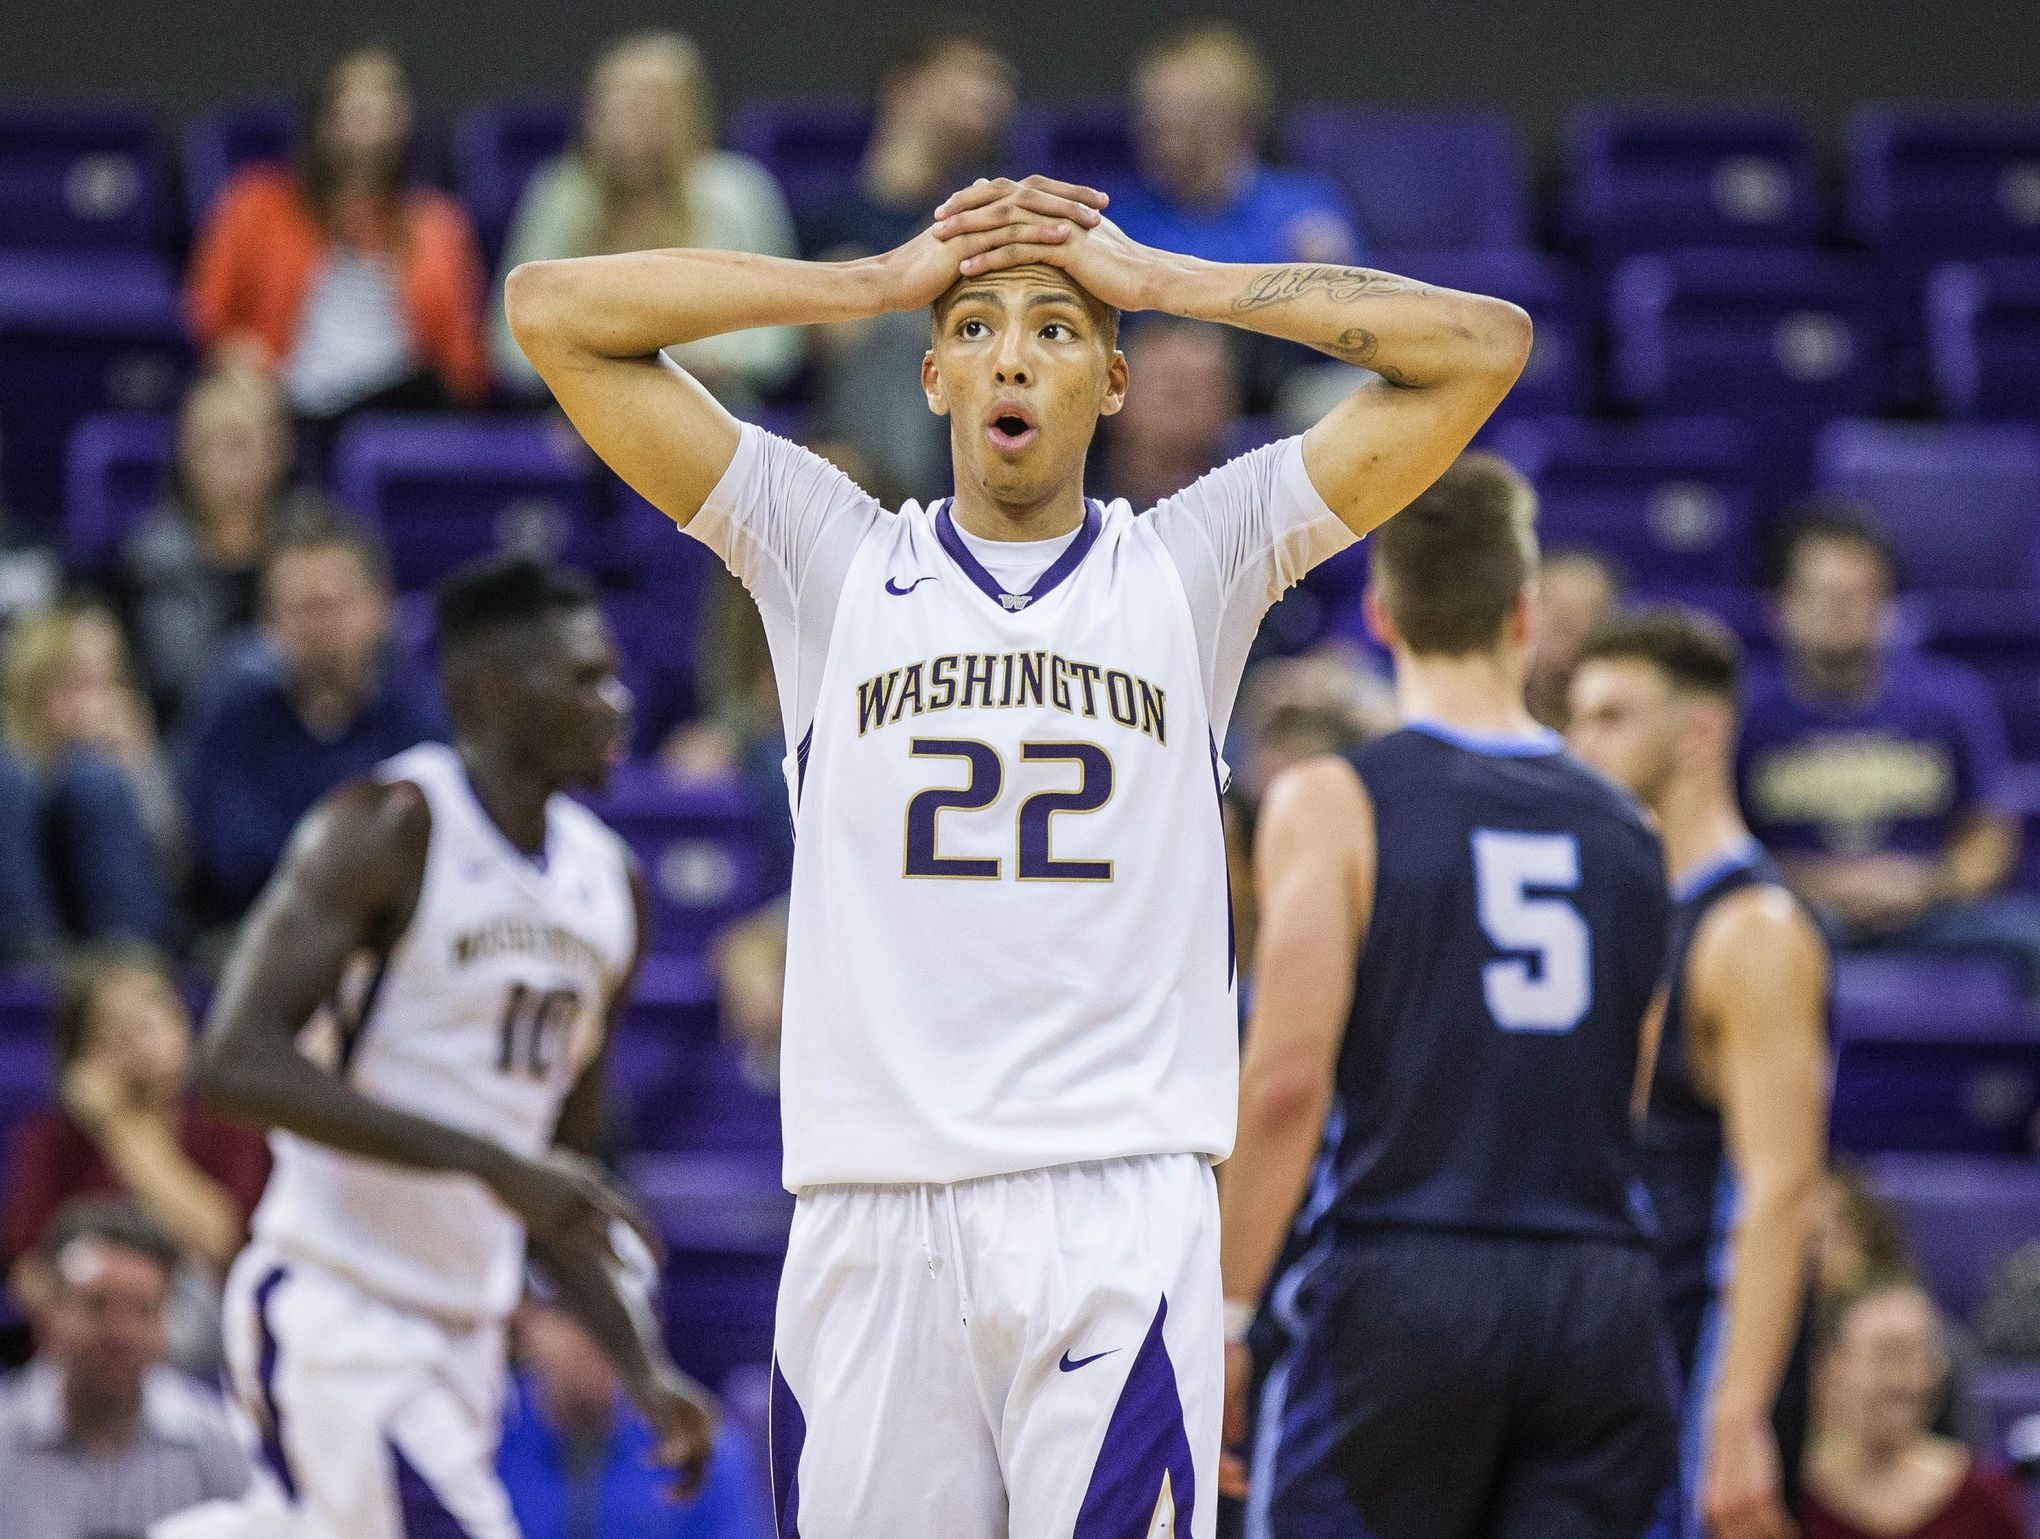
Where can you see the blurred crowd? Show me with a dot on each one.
(161, 733)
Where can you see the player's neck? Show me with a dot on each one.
(1698, 821)
(978, 512)
(1480, 694)
(512, 796)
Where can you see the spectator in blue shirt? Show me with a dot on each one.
(319, 698)
(576, 1455)
(1201, 100)
(1878, 774)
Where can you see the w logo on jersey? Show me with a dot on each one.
(1016, 601)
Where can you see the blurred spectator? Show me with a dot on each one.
(1578, 591)
(107, 815)
(129, 1125)
(645, 175)
(1878, 774)
(576, 1455)
(1202, 96)
(1178, 417)
(188, 575)
(749, 963)
(357, 287)
(1860, 1240)
(1873, 1468)
(323, 698)
(28, 915)
(944, 101)
(98, 1438)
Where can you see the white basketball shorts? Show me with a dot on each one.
(368, 1421)
(1038, 1354)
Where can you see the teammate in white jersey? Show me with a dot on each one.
(418, 1010)
(1010, 1039)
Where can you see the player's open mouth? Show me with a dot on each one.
(1011, 429)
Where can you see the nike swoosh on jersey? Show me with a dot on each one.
(909, 588)
(1071, 1367)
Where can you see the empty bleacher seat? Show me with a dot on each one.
(724, 1222)
(1945, 182)
(811, 144)
(1935, 1055)
(116, 469)
(221, 142)
(445, 489)
(1963, 1216)
(1983, 337)
(78, 334)
(1081, 141)
(699, 848)
(1674, 502)
(1961, 501)
(496, 147)
(1651, 178)
(82, 175)
(1782, 339)
(1419, 181)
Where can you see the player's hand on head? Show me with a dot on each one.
(1110, 265)
(685, 1417)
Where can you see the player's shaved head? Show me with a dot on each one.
(1034, 274)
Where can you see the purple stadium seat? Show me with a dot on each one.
(1945, 182)
(1976, 1090)
(1895, 997)
(25, 1086)
(1961, 500)
(1963, 1215)
(812, 144)
(1983, 337)
(2009, 661)
(1652, 178)
(699, 851)
(496, 147)
(1674, 502)
(1559, 377)
(116, 469)
(1079, 141)
(1419, 181)
(724, 1222)
(221, 142)
(2008, 1393)
(1781, 339)
(26, 1000)
(78, 335)
(747, 1405)
(444, 489)
(81, 175)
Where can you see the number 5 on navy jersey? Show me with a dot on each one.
(1552, 992)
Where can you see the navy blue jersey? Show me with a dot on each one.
(1518, 933)
(1692, 1187)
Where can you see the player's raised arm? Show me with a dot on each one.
(593, 327)
(1759, 973)
(1446, 358)
(348, 883)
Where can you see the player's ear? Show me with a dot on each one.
(1379, 626)
(931, 385)
(1116, 377)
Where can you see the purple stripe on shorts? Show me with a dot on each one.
(265, 1377)
(425, 1515)
(787, 1432)
(1146, 1445)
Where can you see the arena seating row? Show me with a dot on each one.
(1917, 181)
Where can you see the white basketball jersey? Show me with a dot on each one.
(481, 1016)
(1009, 943)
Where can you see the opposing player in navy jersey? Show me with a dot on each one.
(1736, 1135)
(1010, 1044)
(1462, 930)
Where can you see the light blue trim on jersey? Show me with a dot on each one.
(1495, 745)
(1275, 1393)
(1706, 1374)
(1741, 855)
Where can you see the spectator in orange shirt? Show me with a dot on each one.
(356, 287)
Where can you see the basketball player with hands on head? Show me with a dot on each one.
(1010, 1045)
(418, 1009)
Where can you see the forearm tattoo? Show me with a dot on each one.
(1341, 285)
(1358, 345)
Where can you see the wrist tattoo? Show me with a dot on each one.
(1341, 285)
